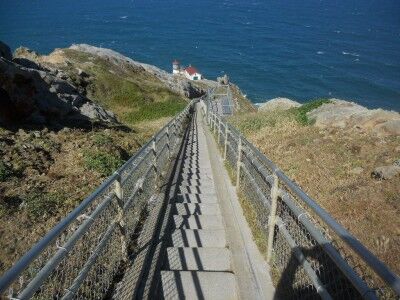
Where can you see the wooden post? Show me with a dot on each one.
(272, 216)
(119, 194)
(239, 162)
(226, 140)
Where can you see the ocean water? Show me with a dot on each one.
(302, 50)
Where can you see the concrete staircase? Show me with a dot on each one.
(198, 263)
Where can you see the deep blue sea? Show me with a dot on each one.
(300, 49)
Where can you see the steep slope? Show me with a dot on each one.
(59, 136)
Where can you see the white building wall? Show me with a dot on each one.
(191, 77)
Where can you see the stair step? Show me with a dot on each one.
(196, 209)
(198, 285)
(201, 173)
(199, 182)
(195, 176)
(195, 168)
(205, 184)
(199, 222)
(199, 238)
(196, 190)
(199, 259)
(196, 198)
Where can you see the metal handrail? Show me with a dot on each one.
(388, 276)
(15, 271)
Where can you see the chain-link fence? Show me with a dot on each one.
(82, 255)
(312, 256)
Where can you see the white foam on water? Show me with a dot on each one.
(320, 52)
(123, 17)
(350, 53)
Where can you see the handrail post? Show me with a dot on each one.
(272, 216)
(226, 140)
(154, 149)
(119, 194)
(219, 131)
(239, 162)
(168, 144)
(174, 134)
(215, 123)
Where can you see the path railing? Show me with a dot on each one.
(311, 254)
(81, 255)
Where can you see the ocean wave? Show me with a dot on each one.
(320, 52)
(350, 53)
(337, 31)
(123, 17)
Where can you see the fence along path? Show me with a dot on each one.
(311, 253)
(87, 253)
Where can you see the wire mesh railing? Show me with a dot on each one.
(311, 254)
(81, 256)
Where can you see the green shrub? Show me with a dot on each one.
(156, 110)
(101, 139)
(102, 162)
(300, 113)
(39, 205)
(5, 172)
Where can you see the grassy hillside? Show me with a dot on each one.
(134, 95)
(334, 167)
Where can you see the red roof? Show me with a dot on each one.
(191, 70)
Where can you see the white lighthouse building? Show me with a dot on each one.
(176, 67)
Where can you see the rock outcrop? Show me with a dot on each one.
(37, 96)
(5, 51)
(223, 79)
(386, 172)
(279, 104)
(344, 114)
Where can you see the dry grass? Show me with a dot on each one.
(321, 162)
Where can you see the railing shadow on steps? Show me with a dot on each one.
(311, 254)
(84, 252)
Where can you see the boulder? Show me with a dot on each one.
(391, 127)
(278, 104)
(386, 172)
(223, 80)
(344, 114)
(96, 112)
(5, 51)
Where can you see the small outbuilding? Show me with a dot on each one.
(192, 73)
